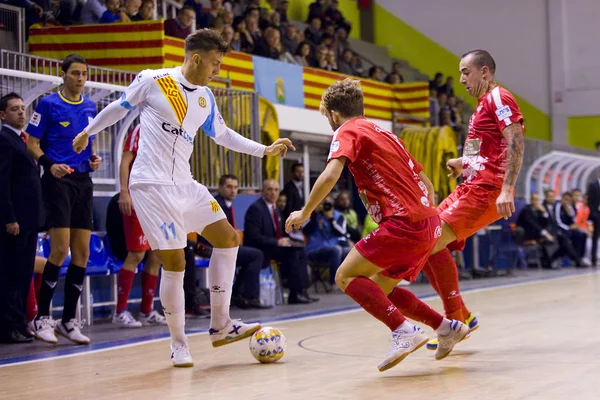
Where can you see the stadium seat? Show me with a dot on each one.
(98, 259)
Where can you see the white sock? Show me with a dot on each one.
(406, 326)
(221, 273)
(444, 327)
(173, 302)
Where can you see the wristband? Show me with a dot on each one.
(45, 161)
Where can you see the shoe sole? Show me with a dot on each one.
(468, 335)
(402, 357)
(72, 340)
(448, 353)
(45, 341)
(247, 334)
(184, 365)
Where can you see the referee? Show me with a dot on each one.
(67, 191)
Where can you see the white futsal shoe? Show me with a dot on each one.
(126, 320)
(153, 318)
(43, 329)
(404, 342)
(234, 331)
(72, 331)
(180, 355)
(458, 331)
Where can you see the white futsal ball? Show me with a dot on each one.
(267, 345)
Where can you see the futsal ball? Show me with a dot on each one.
(267, 345)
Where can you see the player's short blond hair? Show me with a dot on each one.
(345, 97)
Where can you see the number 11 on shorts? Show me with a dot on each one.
(166, 231)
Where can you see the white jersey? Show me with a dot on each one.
(171, 112)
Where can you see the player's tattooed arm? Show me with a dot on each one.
(514, 154)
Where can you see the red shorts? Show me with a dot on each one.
(401, 247)
(467, 210)
(135, 240)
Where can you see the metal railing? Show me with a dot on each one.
(12, 28)
(49, 66)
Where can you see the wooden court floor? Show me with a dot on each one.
(536, 341)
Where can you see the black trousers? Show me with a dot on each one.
(249, 263)
(595, 218)
(17, 258)
(293, 266)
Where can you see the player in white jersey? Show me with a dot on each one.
(174, 103)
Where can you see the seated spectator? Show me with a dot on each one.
(320, 59)
(343, 205)
(92, 11)
(114, 13)
(565, 246)
(341, 43)
(436, 82)
(357, 65)
(246, 39)
(264, 230)
(393, 78)
(199, 11)
(227, 17)
(313, 32)
(217, 25)
(565, 218)
(316, 10)
(434, 108)
(282, 10)
(270, 45)
(132, 8)
(275, 22)
(345, 63)
(326, 237)
(535, 220)
(302, 56)
(334, 16)
(181, 26)
(288, 39)
(331, 61)
(146, 12)
(231, 37)
(447, 87)
(205, 19)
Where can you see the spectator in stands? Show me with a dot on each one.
(132, 8)
(313, 33)
(253, 29)
(198, 7)
(327, 241)
(232, 38)
(320, 60)
(593, 193)
(246, 39)
(288, 39)
(264, 230)
(565, 247)
(331, 61)
(246, 290)
(205, 19)
(436, 82)
(565, 218)
(92, 11)
(21, 214)
(357, 65)
(535, 220)
(341, 43)
(434, 108)
(217, 25)
(343, 205)
(270, 45)
(294, 190)
(282, 10)
(393, 78)
(114, 13)
(275, 22)
(228, 17)
(334, 16)
(448, 87)
(302, 56)
(146, 11)
(181, 26)
(316, 9)
(345, 63)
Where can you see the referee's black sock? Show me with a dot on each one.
(49, 281)
(73, 287)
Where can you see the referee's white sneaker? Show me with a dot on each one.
(72, 331)
(43, 329)
(234, 331)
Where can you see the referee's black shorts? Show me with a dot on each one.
(68, 200)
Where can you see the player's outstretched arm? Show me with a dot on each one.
(320, 190)
(111, 114)
(513, 134)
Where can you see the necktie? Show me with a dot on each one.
(278, 234)
(24, 137)
(232, 216)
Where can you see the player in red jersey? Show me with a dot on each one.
(399, 197)
(137, 246)
(490, 165)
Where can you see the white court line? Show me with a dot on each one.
(302, 318)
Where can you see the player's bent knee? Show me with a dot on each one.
(58, 254)
(135, 257)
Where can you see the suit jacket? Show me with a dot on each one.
(225, 208)
(295, 199)
(533, 222)
(259, 230)
(593, 193)
(21, 189)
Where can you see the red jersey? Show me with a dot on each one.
(131, 143)
(387, 176)
(484, 154)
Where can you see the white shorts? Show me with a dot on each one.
(168, 213)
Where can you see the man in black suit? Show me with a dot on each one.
(593, 193)
(21, 212)
(246, 288)
(534, 219)
(565, 246)
(294, 190)
(264, 230)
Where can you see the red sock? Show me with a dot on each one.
(412, 307)
(124, 284)
(31, 308)
(442, 272)
(38, 285)
(148, 289)
(370, 297)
